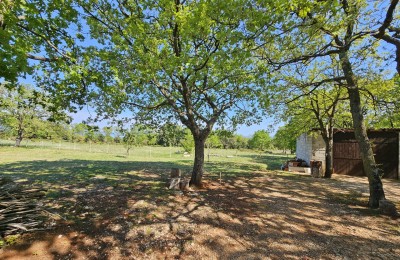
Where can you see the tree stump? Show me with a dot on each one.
(175, 173)
(178, 182)
(316, 169)
(175, 184)
(184, 184)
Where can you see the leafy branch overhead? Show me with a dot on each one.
(187, 59)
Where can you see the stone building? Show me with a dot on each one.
(311, 147)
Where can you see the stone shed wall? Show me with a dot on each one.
(311, 147)
(304, 147)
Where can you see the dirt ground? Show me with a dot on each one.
(266, 216)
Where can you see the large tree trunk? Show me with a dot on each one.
(370, 168)
(198, 167)
(376, 192)
(328, 158)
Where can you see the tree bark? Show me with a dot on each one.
(398, 59)
(327, 136)
(18, 142)
(198, 167)
(328, 158)
(376, 192)
(19, 138)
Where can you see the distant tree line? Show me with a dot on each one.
(168, 134)
(26, 113)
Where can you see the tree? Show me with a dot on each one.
(133, 137)
(383, 99)
(185, 60)
(108, 134)
(285, 138)
(78, 132)
(187, 142)
(334, 30)
(260, 140)
(23, 111)
(213, 141)
(314, 97)
(241, 142)
(170, 134)
(91, 133)
(34, 33)
(226, 138)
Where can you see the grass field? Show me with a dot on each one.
(106, 205)
(69, 155)
(56, 167)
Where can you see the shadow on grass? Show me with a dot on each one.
(68, 172)
(272, 161)
(72, 172)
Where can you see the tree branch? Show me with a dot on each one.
(45, 39)
(40, 58)
(164, 103)
(388, 19)
(315, 86)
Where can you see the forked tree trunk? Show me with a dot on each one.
(198, 167)
(376, 192)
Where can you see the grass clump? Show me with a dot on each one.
(9, 240)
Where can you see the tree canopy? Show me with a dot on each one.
(25, 112)
(260, 140)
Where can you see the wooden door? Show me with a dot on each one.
(347, 159)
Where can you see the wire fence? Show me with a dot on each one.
(120, 149)
(143, 152)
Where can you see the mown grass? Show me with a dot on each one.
(57, 168)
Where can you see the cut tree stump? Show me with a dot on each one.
(177, 181)
(174, 184)
(184, 185)
(175, 173)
